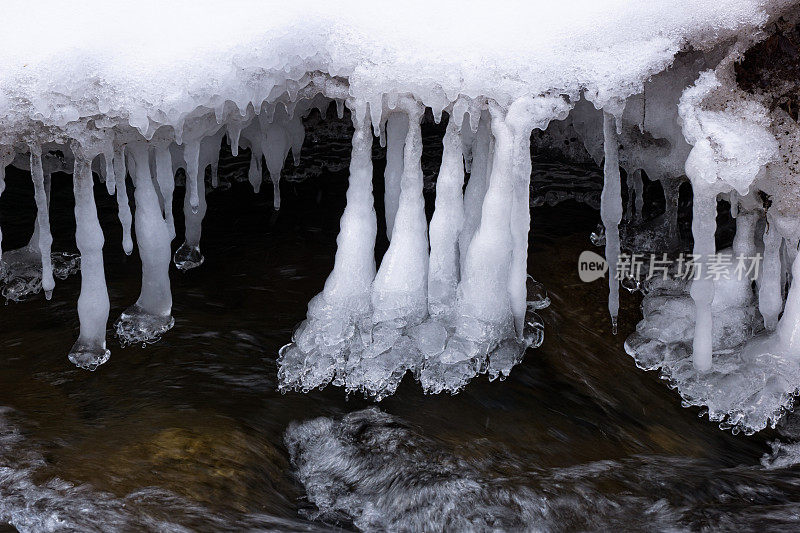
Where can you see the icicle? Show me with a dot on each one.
(191, 154)
(704, 225)
(234, 132)
(166, 184)
(611, 211)
(276, 148)
(297, 134)
(484, 305)
(339, 316)
(108, 156)
(44, 238)
(89, 351)
(521, 117)
(188, 255)
(467, 141)
(476, 186)
(151, 316)
(769, 290)
(350, 281)
(123, 207)
(739, 289)
(448, 216)
(254, 136)
(209, 156)
(788, 329)
(396, 132)
(401, 284)
(254, 173)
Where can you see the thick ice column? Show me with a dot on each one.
(44, 238)
(520, 121)
(396, 132)
(400, 289)
(152, 237)
(476, 187)
(483, 294)
(704, 225)
(770, 299)
(89, 351)
(448, 216)
(788, 329)
(349, 283)
(166, 184)
(339, 317)
(611, 211)
(151, 316)
(123, 207)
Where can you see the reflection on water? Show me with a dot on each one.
(191, 433)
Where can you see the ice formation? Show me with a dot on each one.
(649, 89)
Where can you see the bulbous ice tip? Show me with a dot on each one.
(89, 355)
(137, 326)
(188, 257)
(48, 294)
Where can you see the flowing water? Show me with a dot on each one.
(191, 433)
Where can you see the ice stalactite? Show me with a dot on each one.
(197, 155)
(151, 315)
(483, 314)
(44, 239)
(704, 224)
(788, 328)
(396, 132)
(166, 184)
(611, 211)
(339, 318)
(252, 133)
(400, 288)
(123, 207)
(477, 185)
(770, 299)
(89, 351)
(445, 226)
(191, 153)
(276, 148)
(107, 169)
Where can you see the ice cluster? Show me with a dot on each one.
(647, 87)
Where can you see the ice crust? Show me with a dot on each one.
(646, 87)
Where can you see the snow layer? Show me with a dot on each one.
(97, 58)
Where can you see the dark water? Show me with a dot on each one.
(192, 433)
